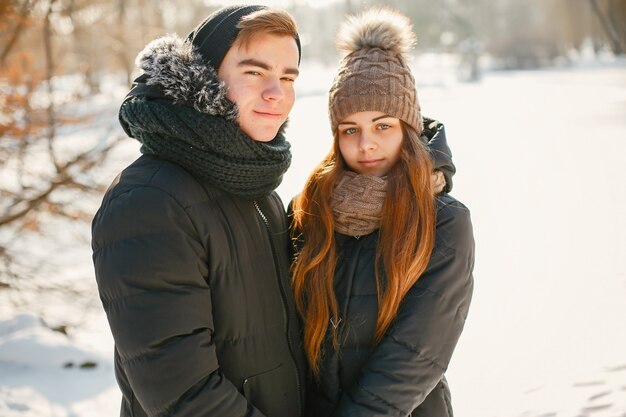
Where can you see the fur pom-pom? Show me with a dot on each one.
(379, 27)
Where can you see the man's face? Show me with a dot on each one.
(260, 78)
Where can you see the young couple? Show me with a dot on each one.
(222, 305)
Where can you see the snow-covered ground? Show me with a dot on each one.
(541, 158)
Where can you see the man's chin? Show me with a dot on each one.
(263, 137)
(264, 134)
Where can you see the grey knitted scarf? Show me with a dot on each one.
(212, 148)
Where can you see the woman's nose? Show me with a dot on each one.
(366, 142)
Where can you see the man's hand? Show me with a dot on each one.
(438, 181)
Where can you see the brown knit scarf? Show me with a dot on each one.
(357, 203)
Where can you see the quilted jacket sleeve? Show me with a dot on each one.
(414, 354)
(150, 268)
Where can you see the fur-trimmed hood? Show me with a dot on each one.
(175, 65)
(174, 70)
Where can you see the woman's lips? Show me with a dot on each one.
(370, 162)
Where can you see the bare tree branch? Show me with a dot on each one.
(64, 178)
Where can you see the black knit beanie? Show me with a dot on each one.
(216, 34)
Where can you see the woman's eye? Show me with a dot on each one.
(384, 126)
(349, 131)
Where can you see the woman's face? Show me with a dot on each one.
(370, 142)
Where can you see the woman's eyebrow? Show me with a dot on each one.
(348, 122)
(384, 116)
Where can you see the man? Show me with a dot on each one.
(189, 245)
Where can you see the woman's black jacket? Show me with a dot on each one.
(404, 374)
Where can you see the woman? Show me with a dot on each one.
(383, 269)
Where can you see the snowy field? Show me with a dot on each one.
(541, 158)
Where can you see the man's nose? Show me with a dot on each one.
(273, 90)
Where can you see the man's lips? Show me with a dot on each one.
(266, 113)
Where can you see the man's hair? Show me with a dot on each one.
(271, 21)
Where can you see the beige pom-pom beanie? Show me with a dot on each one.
(374, 75)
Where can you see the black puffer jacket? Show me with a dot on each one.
(404, 374)
(434, 136)
(194, 282)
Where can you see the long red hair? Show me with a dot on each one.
(406, 238)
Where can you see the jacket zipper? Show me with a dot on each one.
(283, 295)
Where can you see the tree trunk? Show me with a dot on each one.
(21, 19)
(608, 28)
(47, 39)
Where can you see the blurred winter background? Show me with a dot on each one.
(533, 95)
